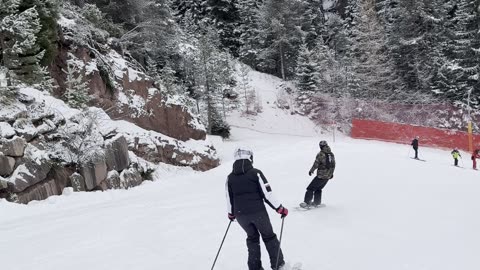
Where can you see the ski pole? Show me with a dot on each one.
(279, 243)
(225, 236)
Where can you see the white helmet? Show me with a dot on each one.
(243, 153)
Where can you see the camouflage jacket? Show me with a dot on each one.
(324, 163)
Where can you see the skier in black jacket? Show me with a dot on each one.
(247, 190)
(414, 144)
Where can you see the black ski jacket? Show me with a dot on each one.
(247, 190)
(415, 144)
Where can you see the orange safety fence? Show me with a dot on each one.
(404, 133)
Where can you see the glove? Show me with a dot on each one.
(231, 217)
(282, 211)
(310, 173)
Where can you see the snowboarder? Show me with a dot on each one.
(247, 190)
(414, 144)
(325, 166)
(475, 155)
(455, 155)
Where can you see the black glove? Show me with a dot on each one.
(231, 217)
(310, 173)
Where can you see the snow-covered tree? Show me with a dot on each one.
(7, 92)
(226, 18)
(248, 31)
(213, 75)
(246, 88)
(307, 71)
(370, 65)
(280, 36)
(76, 93)
(21, 52)
(458, 77)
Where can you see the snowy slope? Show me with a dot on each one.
(384, 210)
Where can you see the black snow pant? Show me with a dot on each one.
(416, 152)
(256, 225)
(456, 161)
(314, 191)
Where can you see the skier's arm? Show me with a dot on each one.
(267, 191)
(228, 193)
(316, 164)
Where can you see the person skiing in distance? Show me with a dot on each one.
(247, 191)
(325, 166)
(455, 155)
(414, 144)
(475, 155)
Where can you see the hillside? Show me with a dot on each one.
(384, 210)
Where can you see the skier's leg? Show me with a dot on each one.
(262, 222)
(416, 152)
(253, 241)
(318, 193)
(310, 190)
(474, 163)
(456, 161)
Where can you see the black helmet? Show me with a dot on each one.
(322, 144)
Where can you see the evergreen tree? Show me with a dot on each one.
(331, 71)
(226, 18)
(313, 21)
(371, 66)
(47, 37)
(7, 92)
(458, 75)
(21, 52)
(307, 71)
(248, 31)
(191, 13)
(280, 36)
(213, 74)
(153, 42)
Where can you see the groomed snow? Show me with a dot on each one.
(384, 211)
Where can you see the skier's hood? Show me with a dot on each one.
(242, 166)
(326, 149)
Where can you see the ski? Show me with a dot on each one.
(418, 159)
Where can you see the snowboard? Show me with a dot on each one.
(418, 159)
(302, 207)
(296, 266)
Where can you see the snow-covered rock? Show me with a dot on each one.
(116, 153)
(78, 182)
(25, 128)
(130, 178)
(7, 165)
(14, 147)
(6, 130)
(113, 180)
(46, 126)
(94, 172)
(40, 192)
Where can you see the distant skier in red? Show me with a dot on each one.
(475, 155)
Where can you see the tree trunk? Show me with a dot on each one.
(282, 61)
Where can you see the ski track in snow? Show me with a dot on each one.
(384, 210)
